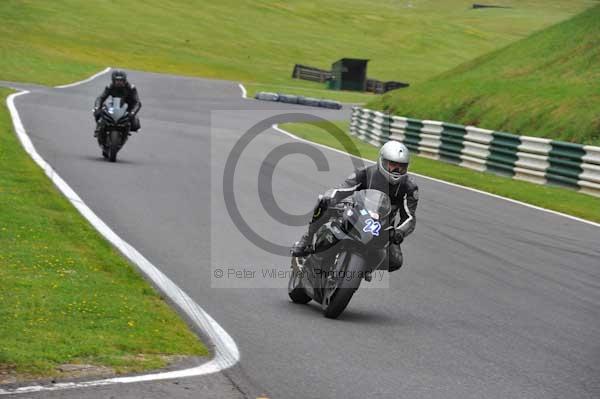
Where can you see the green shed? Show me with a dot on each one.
(349, 74)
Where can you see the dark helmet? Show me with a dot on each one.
(119, 78)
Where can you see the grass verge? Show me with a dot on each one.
(66, 296)
(554, 198)
(53, 42)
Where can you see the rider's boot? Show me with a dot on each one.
(303, 247)
(97, 130)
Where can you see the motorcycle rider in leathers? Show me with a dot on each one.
(119, 87)
(390, 176)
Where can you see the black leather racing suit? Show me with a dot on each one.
(404, 198)
(129, 94)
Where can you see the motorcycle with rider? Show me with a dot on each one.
(117, 117)
(356, 229)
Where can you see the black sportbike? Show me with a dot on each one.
(115, 123)
(346, 250)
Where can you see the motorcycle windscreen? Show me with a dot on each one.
(376, 203)
(117, 108)
(369, 215)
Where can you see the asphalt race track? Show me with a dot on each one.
(495, 300)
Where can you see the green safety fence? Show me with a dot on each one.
(533, 159)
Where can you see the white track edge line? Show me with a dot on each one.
(102, 72)
(225, 348)
(243, 89)
(277, 128)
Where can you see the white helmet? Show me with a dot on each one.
(393, 162)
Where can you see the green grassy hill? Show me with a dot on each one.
(545, 85)
(258, 42)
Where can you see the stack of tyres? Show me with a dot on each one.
(330, 104)
(293, 99)
(288, 98)
(267, 96)
(312, 102)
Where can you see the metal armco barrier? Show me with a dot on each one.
(533, 159)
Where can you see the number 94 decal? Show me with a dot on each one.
(372, 227)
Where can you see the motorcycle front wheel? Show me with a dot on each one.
(114, 146)
(340, 288)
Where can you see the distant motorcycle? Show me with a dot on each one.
(347, 249)
(115, 123)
